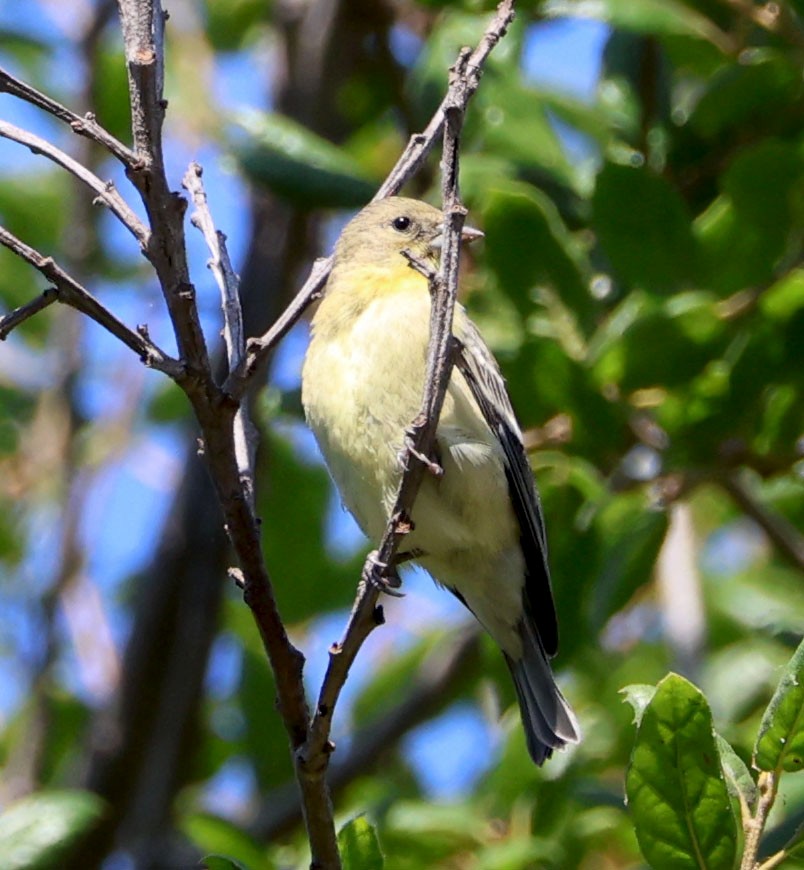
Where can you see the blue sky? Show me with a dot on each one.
(129, 496)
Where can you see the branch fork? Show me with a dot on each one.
(220, 408)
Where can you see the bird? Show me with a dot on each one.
(477, 525)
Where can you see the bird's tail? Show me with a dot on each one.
(547, 718)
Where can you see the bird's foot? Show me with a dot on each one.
(432, 465)
(382, 576)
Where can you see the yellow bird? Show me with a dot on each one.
(478, 527)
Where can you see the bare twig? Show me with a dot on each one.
(143, 35)
(70, 292)
(105, 190)
(84, 126)
(19, 315)
(420, 437)
(233, 335)
(414, 155)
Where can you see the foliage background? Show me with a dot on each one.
(641, 284)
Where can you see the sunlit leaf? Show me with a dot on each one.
(739, 781)
(299, 165)
(359, 846)
(37, 832)
(677, 795)
(780, 742)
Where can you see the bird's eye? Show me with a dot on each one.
(401, 223)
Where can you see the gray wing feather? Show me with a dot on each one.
(487, 385)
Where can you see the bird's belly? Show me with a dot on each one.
(368, 388)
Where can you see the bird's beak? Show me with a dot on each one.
(468, 235)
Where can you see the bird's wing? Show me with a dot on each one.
(486, 383)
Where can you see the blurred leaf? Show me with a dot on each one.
(37, 832)
(511, 121)
(739, 781)
(359, 847)
(222, 840)
(752, 91)
(294, 163)
(231, 23)
(221, 862)
(110, 100)
(784, 298)
(266, 739)
(644, 228)
(659, 17)
(748, 228)
(676, 792)
(631, 537)
(780, 742)
(293, 505)
(528, 244)
(638, 696)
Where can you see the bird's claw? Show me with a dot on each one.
(431, 465)
(382, 576)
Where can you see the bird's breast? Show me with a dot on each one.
(361, 387)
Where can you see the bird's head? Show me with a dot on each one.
(383, 229)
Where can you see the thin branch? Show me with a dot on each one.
(228, 282)
(105, 190)
(414, 155)
(70, 292)
(84, 126)
(143, 35)
(426, 695)
(19, 315)
(420, 436)
(768, 784)
(784, 536)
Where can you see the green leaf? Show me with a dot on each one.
(638, 695)
(659, 17)
(675, 786)
(739, 781)
(222, 840)
(37, 832)
(780, 741)
(751, 91)
(265, 737)
(633, 536)
(751, 225)
(293, 503)
(527, 244)
(300, 166)
(644, 228)
(221, 862)
(359, 846)
(231, 23)
(784, 298)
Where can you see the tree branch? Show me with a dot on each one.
(143, 35)
(70, 292)
(430, 691)
(783, 535)
(84, 126)
(245, 439)
(19, 315)
(105, 190)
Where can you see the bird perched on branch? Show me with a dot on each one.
(477, 525)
